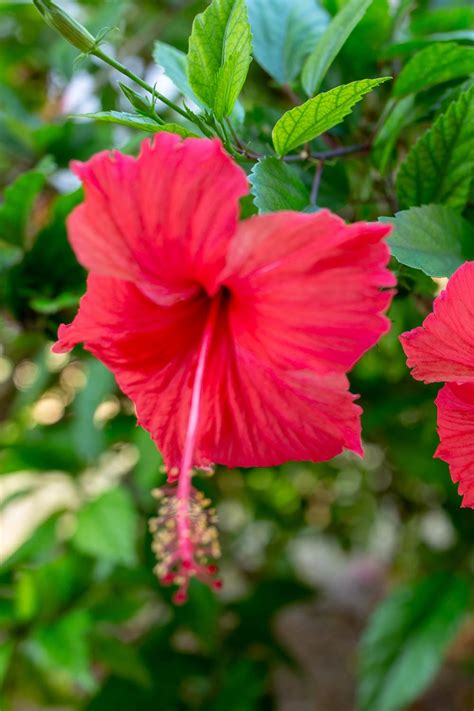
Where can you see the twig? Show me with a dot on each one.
(313, 198)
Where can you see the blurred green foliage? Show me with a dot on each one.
(308, 550)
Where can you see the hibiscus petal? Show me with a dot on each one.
(156, 219)
(456, 431)
(442, 349)
(255, 415)
(152, 351)
(307, 289)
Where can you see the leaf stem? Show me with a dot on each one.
(313, 198)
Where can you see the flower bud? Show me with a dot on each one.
(138, 102)
(66, 25)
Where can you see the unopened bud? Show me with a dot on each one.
(137, 101)
(66, 25)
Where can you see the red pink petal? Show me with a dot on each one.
(442, 349)
(456, 430)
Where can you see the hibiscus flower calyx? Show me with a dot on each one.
(180, 559)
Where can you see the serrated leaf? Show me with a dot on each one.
(284, 33)
(276, 186)
(403, 646)
(438, 63)
(330, 44)
(18, 201)
(122, 118)
(440, 166)
(432, 238)
(220, 52)
(317, 115)
(107, 528)
(175, 65)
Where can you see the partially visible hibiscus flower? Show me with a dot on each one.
(442, 350)
(232, 339)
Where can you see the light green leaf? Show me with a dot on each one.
(330, 44)
(284, 33)
(276, 186)
(440, 62)
(175, 65)
(18, 200)
(403, 646)
(432, 238)
(142, 123)
(317, 115)
(107, 528)
(220, 52)
(440, 166)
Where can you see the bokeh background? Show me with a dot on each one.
(309, 551)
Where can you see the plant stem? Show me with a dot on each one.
(313, 198)
(126, 72)
(327, 155)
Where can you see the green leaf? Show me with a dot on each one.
(400, 114)
(403, 646)
(6, 652)
(107, 528)
(62, 649)
(175, 65)
(276, 186)
(220, 52)
(89, 440)
(18, 200)
(317, 115)
(440, 62)
(432, 238)
(439, 167)
(443, 19)
(330, 44)
(143, 123)
(284, 33)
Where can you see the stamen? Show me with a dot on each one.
(185, 538)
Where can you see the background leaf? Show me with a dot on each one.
(403, 646)
(317, 115)
(438, 63)
(175, 65)
(276, 186)
(328, 46)
(219, 54)
(433, 238)
(17, 203)
(107, 528)
(439, 167)
(284, 33)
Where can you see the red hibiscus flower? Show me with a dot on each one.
(442, 350)
(232, 339)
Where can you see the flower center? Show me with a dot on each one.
(190, 537)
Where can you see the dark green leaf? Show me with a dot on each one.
(439, 167)
(276, 186)
(220, 52)
(438, 63)
(443, 19)
(107, 528)
(404, 644)
(401, 114)
(18, 201)
(317, 115)
(432, 238)
(284, 33)
(330, 44)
